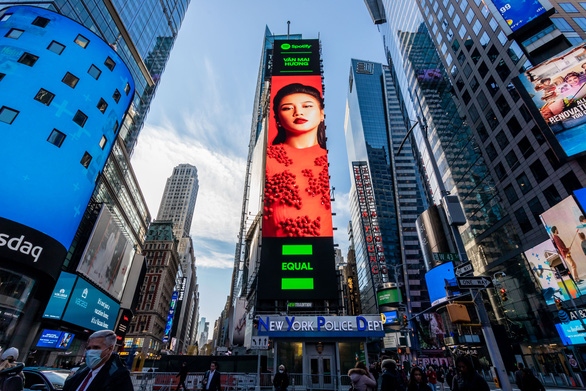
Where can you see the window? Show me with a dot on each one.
(523, 220)
(473, 113)
(503, 105)
(103, 142)
(512, 160)
(7, 114)
(492, 86)
(40, 22)
(571, 182)
(492, 120)
(116, 96)
(493, 53)
(482, 101)
(469, 15)
(484, 39)
(582, 4)
(524, 184)
(81, 41)
(80, 118)
(553, 159)
(482, 69)
(525, 113)
(568, 7)
(28, 59)
(455, 45)
(491, 151)
(500, 171)
(503, 70)
(525, 147)
(116, 125)
(86, 159)
(5, 17)
(511, 194)
(514, 126)
(476, 27)
(56, 47)
(539, 137)
(552, 196)
(466, 97)
(127, 88)
(482, 133)
(102, 105)
(70, 79)
(562, 24)
(56, 138)
(467, 70)
(110, 64)
(538, 171)
(474, 83)
(502, 140)
(475, 56)
(44, 96)
(94, 72)
(581, 22)
(14, 33)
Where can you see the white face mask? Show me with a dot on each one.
(93, 358)
(281, 370)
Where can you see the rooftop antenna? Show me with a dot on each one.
(288, 25)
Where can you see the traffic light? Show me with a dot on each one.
(558, 303)
(503, 293)
(404, 320)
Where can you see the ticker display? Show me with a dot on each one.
(518, 13)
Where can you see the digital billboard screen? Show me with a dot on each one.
(571, 333)
(60, 296)
(581, 198)
(566, 226)
(517, 13)
(107, 256)
(440, 280)
(297, 254)
(90, 308)
(55, 339)
(557, 87)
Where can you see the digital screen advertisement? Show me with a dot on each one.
(571, 333)
(439, 280)
(297, 254)
(581, 198)
(60, 296)
(55, 339)
(107, 256)
(49, 162)
(90, 308)
(566, 226)
(557, 87)
(517, 13)
(389, 296)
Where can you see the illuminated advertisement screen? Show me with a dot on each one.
(389, 296)
(170, 316)
(517, 13)
(297, 255)
(60, 296)
(581, 198)
(558, 88)
(90, 308)
(390, 317)
(54, 149)
(566, 226)
(545, 262)
(107, 256)
(571, 333)
(55, 339)
(439, 280)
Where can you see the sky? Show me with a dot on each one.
(202, 115)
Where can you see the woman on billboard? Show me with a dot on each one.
(297, 188)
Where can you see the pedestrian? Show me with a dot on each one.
(211, 379)
(417, 381)
(530, 382)
(431, 377)
(281, 379)
(450, 377)
(11, 376)
(441, 376)
(182, 375)
(467, 379)
(361, 379)
(104, 370)
(391, 378)
(519, 376)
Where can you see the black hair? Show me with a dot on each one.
(297, 88)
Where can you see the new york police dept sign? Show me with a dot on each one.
(321, 326)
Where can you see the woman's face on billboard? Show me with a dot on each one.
(300, 113)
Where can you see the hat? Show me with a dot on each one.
(389, 363)
(10, 352)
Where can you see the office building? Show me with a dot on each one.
(457, 64)
(178, 201)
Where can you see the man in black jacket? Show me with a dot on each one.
(211, 379)
(104, 371)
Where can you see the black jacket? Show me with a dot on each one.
(214, 384)
(113, 376)
(281, 381)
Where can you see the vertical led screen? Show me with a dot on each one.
(566, 226)
(558, 88)
(60, 296)
(107, 256)
(297, 256)
(517, 13)
(441, 283)
(69, 91)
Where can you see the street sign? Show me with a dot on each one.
(260, 343)
(463, 269)
(474, 282)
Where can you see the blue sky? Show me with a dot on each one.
(202, 114)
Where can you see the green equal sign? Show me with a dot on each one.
(297, 283)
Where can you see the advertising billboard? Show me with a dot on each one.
(440, 281)
(90, 308)
(55, 339)
(549, 269)
(60, 296)
(571, 333)
(558, 88)
(517, 13)
(297, 254)
(60, 137)
(581, 198)
(566, 226)
(107, 256)
(170, 316)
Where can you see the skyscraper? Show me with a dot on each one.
(457, 63)
(178, 201)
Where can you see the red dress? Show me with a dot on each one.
(297, 193)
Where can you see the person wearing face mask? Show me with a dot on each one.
(281, 379)
(11, 376)
(104, 370)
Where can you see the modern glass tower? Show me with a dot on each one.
(456, 63)
(178, 201)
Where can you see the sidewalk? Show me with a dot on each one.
(548, 388)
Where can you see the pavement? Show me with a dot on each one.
(548, 388)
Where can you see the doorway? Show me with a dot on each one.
(322, 374)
